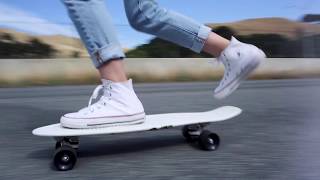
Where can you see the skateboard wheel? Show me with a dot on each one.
(209, 141)
(191, 132)
(65, 157)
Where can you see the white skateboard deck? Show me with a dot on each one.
(153, 122)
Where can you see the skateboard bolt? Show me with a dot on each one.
(65, 158)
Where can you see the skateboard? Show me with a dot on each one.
(193, 129)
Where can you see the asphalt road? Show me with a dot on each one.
(276, 137)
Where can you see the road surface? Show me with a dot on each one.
(276, 137)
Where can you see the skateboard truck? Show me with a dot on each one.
(207, 140)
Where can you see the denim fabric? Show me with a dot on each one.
(96, 30)
(95, 27)
(147, 16)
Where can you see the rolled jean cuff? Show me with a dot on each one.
(201, 38)
(106, 54)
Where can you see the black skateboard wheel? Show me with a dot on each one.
(65, 157)
(209, 141)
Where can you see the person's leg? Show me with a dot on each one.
(113, 70)
(118, 103)
(147, 16)
(238, 58)
(96, 30)
(215, 44)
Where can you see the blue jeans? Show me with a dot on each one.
(94, 24)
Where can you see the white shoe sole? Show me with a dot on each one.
(234, 84)
(102, 122)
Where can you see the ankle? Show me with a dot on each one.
(215, 44)
(113, 71)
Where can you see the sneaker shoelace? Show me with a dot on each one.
(103, 99)
(227, 68)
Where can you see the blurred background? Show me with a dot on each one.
(276, 137)
(40, 43)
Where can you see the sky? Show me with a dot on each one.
(49, 17)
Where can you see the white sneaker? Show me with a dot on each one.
(118, 105)
(239, 60)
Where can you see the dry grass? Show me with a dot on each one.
(80, 71)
